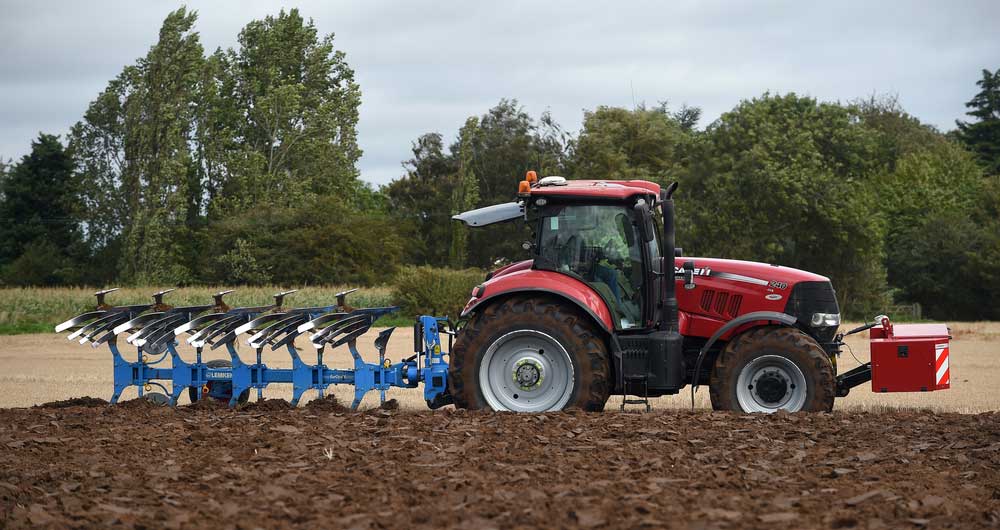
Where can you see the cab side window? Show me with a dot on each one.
(600, 244)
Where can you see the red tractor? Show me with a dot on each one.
(608, 305)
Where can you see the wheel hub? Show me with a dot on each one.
(528, 374)
(771, 387)
(769, 383)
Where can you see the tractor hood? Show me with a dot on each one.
(750, 272)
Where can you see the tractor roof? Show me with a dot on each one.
(598, 189)
(558, 187)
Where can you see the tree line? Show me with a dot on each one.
(240, 167)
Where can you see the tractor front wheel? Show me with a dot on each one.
(769, 369)
(529, 354)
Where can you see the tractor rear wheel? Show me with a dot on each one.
(769, 369)
(529, 354)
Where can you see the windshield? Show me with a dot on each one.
(601, 245)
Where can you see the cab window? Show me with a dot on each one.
(601, 245)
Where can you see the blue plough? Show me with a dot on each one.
(156, 331)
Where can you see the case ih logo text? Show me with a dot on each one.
(707, 271)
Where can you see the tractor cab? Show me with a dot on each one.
(597, 232)
(599, 244)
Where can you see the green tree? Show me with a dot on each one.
(292, 114)
(420, 201)
(644, 143)
(506, 143)
(932, 237)
(135, 154)
(784, 179)
(983, 135)
(929, 191)
(465, 195)
(40, 238)
(984, 256)
(495, 151)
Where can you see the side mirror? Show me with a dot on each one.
(646, 228)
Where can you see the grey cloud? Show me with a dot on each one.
(426, 66)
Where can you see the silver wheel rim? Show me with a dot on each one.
(771, 383)
(526, 371)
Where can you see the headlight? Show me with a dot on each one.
(825, 319)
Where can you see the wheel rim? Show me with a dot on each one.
(770, 383)
(526, 371)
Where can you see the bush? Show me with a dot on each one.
(434, 291)
(316, 243)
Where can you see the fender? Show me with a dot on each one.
(784, 318)
(548, 282)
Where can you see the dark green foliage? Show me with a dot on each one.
(40, 236)
(320, 241)
(421, 201)
(291, 113)
(179, 144)
(982, 136)
(784, 179)
(434, 291)
(930, 194)
(646, 144)
(984, 257)
(482, 167)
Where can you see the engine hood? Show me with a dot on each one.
(750, 272)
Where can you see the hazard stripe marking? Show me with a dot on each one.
(943, 374)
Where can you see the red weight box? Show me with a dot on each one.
(910, 358)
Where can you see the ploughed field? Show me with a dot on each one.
(880, 460)
(263, 465)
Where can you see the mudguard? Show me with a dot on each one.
(548, 282)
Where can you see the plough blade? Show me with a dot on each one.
(217, 329)
(196, 323)
(320, 321)
(136, 323)
(320, 337)
(267, 335)
(147, 329)
(79, 320)
(101, 324)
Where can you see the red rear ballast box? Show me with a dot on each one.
(910, 357)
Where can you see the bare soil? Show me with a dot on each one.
(268, 466)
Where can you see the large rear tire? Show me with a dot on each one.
(529, 354)
(773, 368)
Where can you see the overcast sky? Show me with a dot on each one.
(426, 66)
